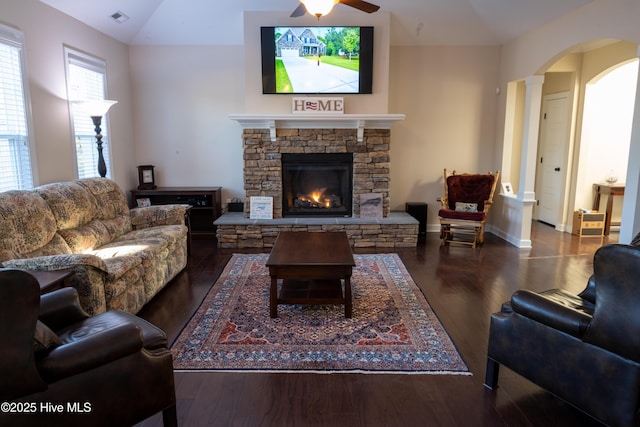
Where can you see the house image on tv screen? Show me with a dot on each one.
(315, 60)
(299, 41)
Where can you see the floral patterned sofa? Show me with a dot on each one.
(121, 257)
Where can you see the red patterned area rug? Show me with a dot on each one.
(393, 329)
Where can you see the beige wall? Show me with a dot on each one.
(449, 97)
(47, 31)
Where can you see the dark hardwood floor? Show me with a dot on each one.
(464, 286)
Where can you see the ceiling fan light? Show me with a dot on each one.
(319, 7)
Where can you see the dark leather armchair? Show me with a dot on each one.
(583, 348)
(59, 366)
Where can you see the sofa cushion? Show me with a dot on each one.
(71, 204)
(28, 227)
(168, 233)
(87, 238)
(89, 213)
(118, 259)
(113, 209)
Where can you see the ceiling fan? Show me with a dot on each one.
(322, 7)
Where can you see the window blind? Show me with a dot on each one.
(15, 151)
(86, 80)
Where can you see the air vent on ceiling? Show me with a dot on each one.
(119, 17)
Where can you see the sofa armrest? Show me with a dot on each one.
(90, 274)
(57, 262)
(156, 215)
(61, 308)
(90, 352)
(444, 202)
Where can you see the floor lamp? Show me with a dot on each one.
(96, 109)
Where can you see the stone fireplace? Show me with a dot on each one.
(263, 160)
(316, 169)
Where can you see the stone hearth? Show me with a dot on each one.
(398, 230)
(266, 138)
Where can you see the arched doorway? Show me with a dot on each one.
(606, 132)
(522, 119)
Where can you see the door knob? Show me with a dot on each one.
(557, 169)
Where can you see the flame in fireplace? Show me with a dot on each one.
(317, 194)
(317, 198)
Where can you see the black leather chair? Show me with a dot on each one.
(59, 366)
(583, 348)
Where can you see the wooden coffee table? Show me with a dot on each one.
(312, 266)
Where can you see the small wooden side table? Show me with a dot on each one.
(52, 280)
(611, 190)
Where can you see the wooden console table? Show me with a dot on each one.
(205, 204)
(611, 190)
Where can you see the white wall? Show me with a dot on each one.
(47, 31)
(182, 96)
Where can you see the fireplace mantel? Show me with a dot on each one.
(360, 122)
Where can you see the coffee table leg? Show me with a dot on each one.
(347, 297)
(273, 297)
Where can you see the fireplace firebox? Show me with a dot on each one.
(317, 184)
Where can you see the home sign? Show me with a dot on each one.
(317, 105)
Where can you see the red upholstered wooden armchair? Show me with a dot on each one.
(464, 207)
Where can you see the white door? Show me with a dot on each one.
(552, 165)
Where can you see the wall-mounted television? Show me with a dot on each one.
(317, 60)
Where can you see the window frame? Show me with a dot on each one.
(14, 37)
(91, 63)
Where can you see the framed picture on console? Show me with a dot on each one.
(143, 202)
(146, 177)
(507, 189)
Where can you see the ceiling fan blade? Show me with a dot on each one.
(361, 5)
(300, 10)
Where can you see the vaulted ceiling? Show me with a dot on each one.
(413, 22)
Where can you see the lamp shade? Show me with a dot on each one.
(95, 107)
(319, 7)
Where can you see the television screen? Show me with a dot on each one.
(317, 60)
